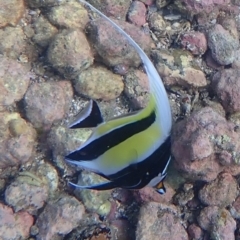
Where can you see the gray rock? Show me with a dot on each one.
(70, 53)
(99, 83)
(222, 44)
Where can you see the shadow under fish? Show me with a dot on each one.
(133, 150)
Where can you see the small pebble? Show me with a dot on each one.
(137, 13)
(195, 232)
(195, 42)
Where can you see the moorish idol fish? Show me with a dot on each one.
(130, 151)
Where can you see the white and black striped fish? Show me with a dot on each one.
(131, 151)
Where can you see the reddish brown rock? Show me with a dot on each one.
(70, 53)
(112, 8)
(195, 42)
(226, 85)
(220, 192)
(11, 12)
(222, 44)
(159, 221)
(17, 140)
(14, 80)
(14, 225)
(99, 83)
(195, 232)
(59, 217)
(201, 144)
(137, 13)
(113, 46)
(218, 222)
(224, 226)
(47, 102)
(207, 216)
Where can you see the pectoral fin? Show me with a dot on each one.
(120, 183)
(160, 188)
(89, 117)
(101, 186)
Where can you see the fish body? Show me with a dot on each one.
(131, 151)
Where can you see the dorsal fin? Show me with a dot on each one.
(155, 82)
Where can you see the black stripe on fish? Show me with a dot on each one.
(147, 169)
(100, 145)
(89, 117)
(138, 175)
